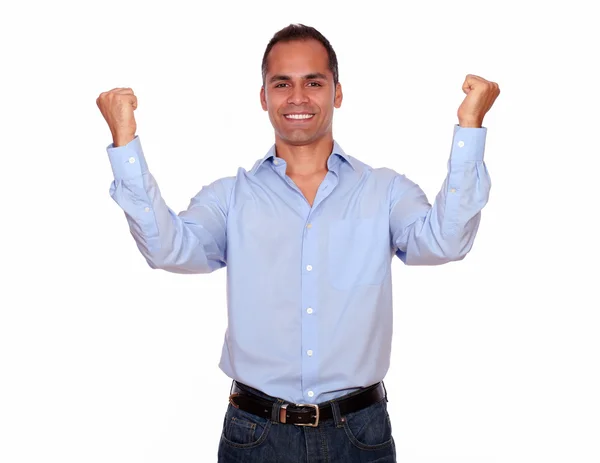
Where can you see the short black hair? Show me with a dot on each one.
(301, 32)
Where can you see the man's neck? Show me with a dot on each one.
(305, 160)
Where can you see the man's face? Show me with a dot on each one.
(299, 93)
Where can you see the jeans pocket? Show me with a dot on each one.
(244, 430)
(358, 252)
(369, 428)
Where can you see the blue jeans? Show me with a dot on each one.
(362, 436)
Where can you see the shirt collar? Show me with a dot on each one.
(337, 149)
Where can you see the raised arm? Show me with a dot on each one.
(193, 241)
(430, 235)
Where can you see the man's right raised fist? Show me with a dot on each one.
(117, 106)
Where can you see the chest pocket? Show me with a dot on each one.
(357, 252)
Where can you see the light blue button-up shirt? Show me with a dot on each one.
(309, 319)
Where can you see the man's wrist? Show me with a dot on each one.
(122, 140)
(470, 123)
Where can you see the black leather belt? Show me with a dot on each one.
(304, 414)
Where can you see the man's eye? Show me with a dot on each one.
(312, 84)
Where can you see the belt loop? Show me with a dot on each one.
(337, 417)
(275, 411)
(384, 390)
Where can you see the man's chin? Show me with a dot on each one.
(297, 137)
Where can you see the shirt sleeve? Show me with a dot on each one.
(423, 234)
(193, 241)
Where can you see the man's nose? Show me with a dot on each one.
(298, 95)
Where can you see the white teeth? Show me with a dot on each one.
(299, 116)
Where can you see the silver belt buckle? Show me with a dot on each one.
(283, 410)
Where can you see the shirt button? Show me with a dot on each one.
(310, 393)
(309, 267)
(276, 162)
(452, 190)
(309, 225)
(309, 310)
(147, 209)
(309, 353)
(131, 160)
(461, 144)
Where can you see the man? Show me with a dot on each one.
(307, 235)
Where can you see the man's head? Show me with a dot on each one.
(300, 85)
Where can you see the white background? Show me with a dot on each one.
(102, 359)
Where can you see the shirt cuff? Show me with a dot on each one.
(127, 161)
(468, 143)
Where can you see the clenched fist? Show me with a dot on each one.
(117, 106)
(481, 94)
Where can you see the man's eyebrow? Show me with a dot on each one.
(314, 75)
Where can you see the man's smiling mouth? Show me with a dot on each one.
(297, 117)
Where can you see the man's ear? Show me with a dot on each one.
(263, 99)
(337, 100)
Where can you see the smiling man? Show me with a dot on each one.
(308, 236)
